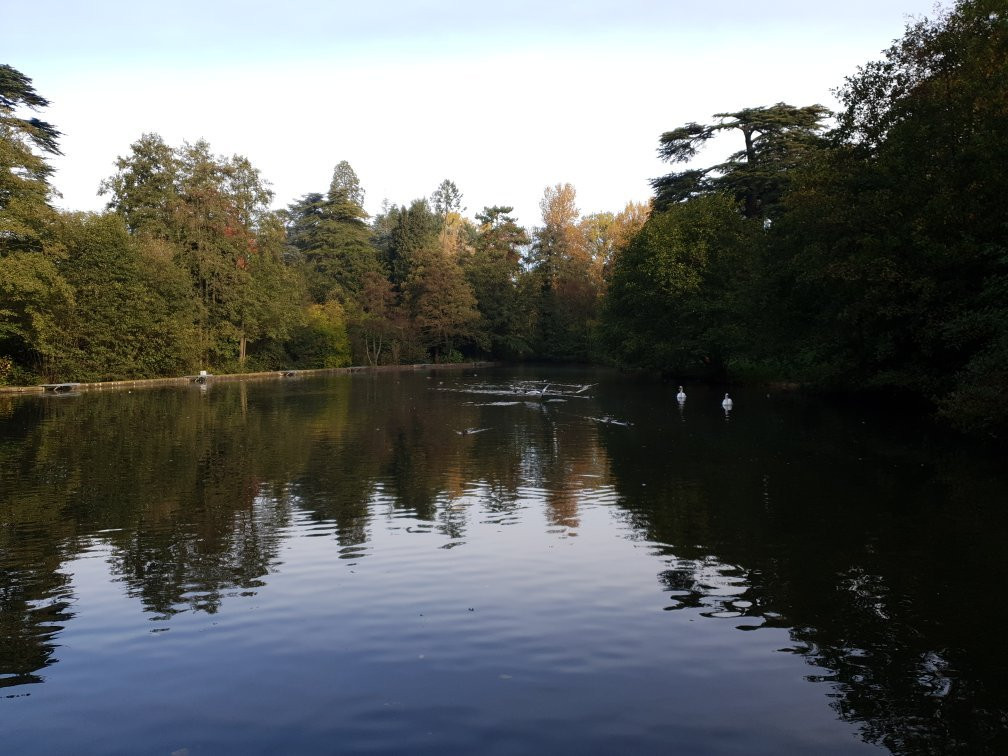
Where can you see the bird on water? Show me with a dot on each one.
(681, 396)
(727, 402)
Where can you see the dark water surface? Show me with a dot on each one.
(430, 563)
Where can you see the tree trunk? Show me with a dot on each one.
(750, 196)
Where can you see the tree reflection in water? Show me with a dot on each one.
(880, 554)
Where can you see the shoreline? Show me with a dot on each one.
(185, 380)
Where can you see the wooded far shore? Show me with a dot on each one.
(863, 251)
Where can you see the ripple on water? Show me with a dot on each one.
(495, 631)
(354, 551)
(603, 496)
(722, 614)
(506, 519)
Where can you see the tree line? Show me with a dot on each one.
(188, 267)
(851, 251)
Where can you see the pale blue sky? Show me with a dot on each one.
(504, 99)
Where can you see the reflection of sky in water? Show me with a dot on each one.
(520, 632)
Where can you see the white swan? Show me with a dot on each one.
(681, 396)
(727, 402)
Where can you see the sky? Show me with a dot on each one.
(504, 99)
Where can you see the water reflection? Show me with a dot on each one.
(875, 551)
(878, 556)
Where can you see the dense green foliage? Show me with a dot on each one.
(775, 141)
(677, 292)
(875, 255)
(33, 294)
(332, 239)
(494, 271)
(899, 230)
(868, 256)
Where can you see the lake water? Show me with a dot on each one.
(440, 562)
